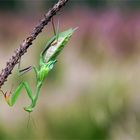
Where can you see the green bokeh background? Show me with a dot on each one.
(93, 93)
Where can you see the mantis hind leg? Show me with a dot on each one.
(11, 100)
(55, 30)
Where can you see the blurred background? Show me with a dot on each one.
(94, 90)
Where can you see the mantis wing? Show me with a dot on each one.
(56, 46)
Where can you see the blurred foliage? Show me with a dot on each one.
(9, 5)
(93, 91)
(90, 116)
(13, 5)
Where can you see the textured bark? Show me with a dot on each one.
(28, 41)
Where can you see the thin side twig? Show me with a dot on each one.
(28, 41)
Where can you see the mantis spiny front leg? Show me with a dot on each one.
(11, 101)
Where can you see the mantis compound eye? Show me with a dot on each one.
(28, 109)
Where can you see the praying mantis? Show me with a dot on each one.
(46, 63)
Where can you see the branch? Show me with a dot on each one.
(28, 41)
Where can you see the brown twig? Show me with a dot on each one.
(28, 41)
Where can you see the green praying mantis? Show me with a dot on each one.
(46, 63)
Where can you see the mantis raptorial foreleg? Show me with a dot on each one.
(11, 101)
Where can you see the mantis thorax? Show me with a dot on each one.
(44, 69)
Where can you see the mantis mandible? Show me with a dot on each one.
(47, 60)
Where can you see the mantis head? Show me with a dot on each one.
(28, 109)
